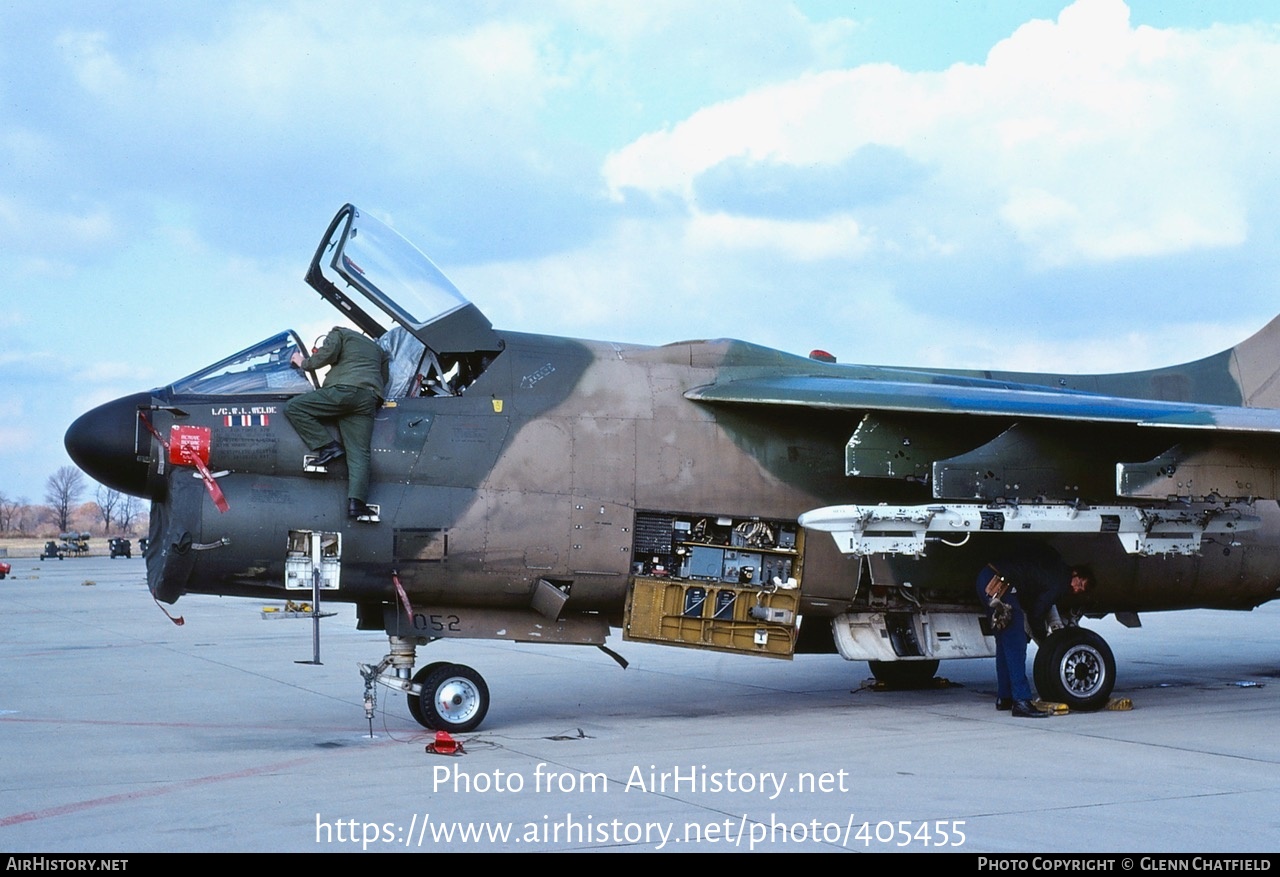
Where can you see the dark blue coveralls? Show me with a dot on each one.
(1039, 579)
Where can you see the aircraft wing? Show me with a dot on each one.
(984, 398)
(983, 439)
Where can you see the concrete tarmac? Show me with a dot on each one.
(125, 733)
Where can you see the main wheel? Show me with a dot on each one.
(420, 678)
(454, 698)
(1075, 666)
(904, 674)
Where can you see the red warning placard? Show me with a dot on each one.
(188, 444)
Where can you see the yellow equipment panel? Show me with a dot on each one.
(712, 615)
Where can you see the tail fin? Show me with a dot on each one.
(1245, 375)
(1255, 365)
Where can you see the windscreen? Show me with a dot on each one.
(262, 369)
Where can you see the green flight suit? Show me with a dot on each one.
(351, 396)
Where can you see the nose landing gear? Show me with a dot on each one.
(441, 696)
(453, 698)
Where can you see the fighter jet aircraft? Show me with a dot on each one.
(545, 489)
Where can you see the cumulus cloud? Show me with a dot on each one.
(1087, 139)
(272, 68)
(873, 174)
(805, 241)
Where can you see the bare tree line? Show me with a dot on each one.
(63, 508)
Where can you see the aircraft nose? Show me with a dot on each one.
(102, 443)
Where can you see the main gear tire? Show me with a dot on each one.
(1075, 666)
(420, 678)
(454, 698)
(904, 674)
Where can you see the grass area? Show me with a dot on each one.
(31, 546)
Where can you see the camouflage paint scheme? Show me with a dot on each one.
(537, 471)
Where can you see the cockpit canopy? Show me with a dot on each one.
(437, 343)
(361, 254)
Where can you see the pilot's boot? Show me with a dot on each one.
(1025, 709)
(327, 454)
(1004, 703)
(357, 509)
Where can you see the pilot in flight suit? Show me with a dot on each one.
(351, 396)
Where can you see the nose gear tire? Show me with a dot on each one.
(454, 698)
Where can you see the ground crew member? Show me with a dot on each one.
(1016, 589)
(351, 395)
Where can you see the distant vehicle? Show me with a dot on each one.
(5, 569)
(143, 543)
(51, 550)
(120, 547)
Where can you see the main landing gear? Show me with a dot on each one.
(441, 696)
(1075, 666)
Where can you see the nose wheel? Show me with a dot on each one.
(454, 698)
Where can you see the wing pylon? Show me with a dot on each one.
(861, 530)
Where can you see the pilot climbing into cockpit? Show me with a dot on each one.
(351, 396)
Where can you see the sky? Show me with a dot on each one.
(1077, 187)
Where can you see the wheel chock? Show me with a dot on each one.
(445, 745)
(1120, 704)
(1050, 707)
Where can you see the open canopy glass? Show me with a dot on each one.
(361, 255)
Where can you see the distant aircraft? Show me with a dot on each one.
(544, 489)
